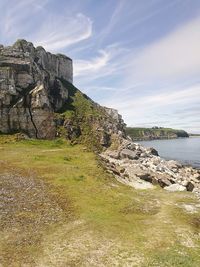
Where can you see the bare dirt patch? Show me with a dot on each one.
(29, 207)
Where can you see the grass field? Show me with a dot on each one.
(60, 208)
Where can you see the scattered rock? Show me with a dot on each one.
(140, 163)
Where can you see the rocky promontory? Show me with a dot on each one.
(154, 133)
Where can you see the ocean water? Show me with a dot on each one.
(184, 150)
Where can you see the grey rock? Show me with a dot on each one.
(126, 153)
(190, 186)
(32, 89)
(152, 151)
(175, 187)
(145, 176)
(164, 182)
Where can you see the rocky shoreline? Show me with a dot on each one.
(142, 168)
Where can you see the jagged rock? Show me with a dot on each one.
(31, 89)
(152, 151)
(164, 182)
(190, 186)
(175, 187)
(145, 176)
(174, 164)
(114, 154)
(35, 92)
(126, 153)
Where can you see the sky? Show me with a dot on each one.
(141, 57)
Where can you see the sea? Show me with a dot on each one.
(184, 150)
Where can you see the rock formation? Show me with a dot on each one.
(37, 97)
(31, 89)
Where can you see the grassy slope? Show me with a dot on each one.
(135, 132)
(107, 223)
(84, 114)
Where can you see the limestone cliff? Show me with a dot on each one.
(31, 89)
(37, 98)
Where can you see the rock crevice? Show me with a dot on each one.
(28, 92)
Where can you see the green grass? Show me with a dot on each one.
(110, 221)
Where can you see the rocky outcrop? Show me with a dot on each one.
(137, 166)
(31, 89)
(37, 97)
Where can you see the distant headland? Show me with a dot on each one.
(140, 134)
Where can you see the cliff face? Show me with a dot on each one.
(37, 97)
(31, 89)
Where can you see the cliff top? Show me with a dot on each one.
(27, 48)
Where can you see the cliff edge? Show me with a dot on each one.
(37, 97)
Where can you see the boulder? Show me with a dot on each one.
(152, 151)
(145, 176)
(127, 153)
(172, 164)
(190, 186)
(175, 187)
(114, 154)
(164, 182)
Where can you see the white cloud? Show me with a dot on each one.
(83, 67)
(60, 32)
(32, 20)
(185, 96)
(108, 62)
(160, 107)
(173, 56)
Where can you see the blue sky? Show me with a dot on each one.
(141, 57)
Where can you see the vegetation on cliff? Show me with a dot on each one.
(84, 121)
(154, 133)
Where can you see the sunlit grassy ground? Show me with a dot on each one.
(101, 222)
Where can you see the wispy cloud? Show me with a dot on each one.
(143, 110)
(60, 32)
(51, 30)
(109, 61)
(84, 67)
(115, 17)
(171, 57)
(191, 94)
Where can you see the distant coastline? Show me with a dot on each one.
(155, 133)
